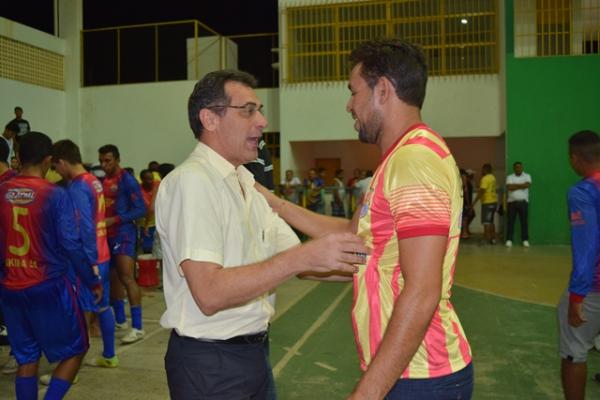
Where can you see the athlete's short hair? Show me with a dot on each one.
(586, 145)
(34, 147)
(66, 150)
(110, 148)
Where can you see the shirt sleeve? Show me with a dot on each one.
(417, 189)
(68, 235)
(137, 207)
(584, 241)
(84, 211)
(189, 218)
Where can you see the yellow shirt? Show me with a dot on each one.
(488, 184)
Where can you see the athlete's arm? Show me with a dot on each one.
(585, 235)
(137, 208)
(84, 207)
(311, 223)
(421, 259)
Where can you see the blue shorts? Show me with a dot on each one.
(147, 240)
(86, 297)
(45, 318)
(122, 244)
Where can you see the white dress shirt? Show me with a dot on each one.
(202, 215)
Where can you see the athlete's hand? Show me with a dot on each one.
(576, 317)
(97, 291)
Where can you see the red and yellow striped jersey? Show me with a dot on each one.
(416, 191)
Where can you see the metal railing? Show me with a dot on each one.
(457, 36)
(170, 51)
(556, 27)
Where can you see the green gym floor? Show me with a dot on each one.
(505, 299)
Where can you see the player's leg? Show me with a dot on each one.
(125, 269)
(117, 296)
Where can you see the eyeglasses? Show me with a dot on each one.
(248, 109)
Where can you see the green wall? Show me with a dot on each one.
(548, 99)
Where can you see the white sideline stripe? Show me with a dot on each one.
(292, 303)
(124, 347)
(326, 366)
(537, 303)
(322, 319)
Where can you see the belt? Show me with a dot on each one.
(260, 337)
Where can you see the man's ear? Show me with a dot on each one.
(209, 119)
(384, 90)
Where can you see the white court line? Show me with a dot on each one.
(325, 366)
(320, 321)
(537, 303)
(292, 303)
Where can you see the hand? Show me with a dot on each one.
(335, 252)
(110, 221)
(98, 291)
(576, 317)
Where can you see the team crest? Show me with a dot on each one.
(97, 186)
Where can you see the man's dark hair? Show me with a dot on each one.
(487, 168)
(18, 108)
(586, 145)
(164, 169)
(402, 63)
(66, 150)
(517, 163)
(110, 148)
(153, 164)
(143, 172)
(4, 151)
(34, 147)
(210, 92)
(13, 127)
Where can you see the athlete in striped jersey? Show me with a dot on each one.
(88, 197)
(39, 244)
(409, 339)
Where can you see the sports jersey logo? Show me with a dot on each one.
(97, 186)
(113, 188)
(20, 196)
(577, 218)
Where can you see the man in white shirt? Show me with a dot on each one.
(225, 250)
(517, 186)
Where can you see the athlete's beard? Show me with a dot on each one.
(370, 131)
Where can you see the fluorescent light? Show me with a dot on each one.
(464, 21)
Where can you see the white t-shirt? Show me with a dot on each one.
(519, 194)
(202, 215)
(11, 150)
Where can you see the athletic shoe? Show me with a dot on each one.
(525, 243)
(46, 378)
(121, 326)
(104, 362)
(133, 336)
(11, 366)
(508, 243)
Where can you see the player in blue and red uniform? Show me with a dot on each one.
(39, 243)
(124, 205)
(579, 307)
(88, 197)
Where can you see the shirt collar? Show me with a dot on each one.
(223, 167)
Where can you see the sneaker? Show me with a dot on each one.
(133, 336)
(104, 362)
(46, 378)
(508, 243)
(121, 326)
(525, 243)
(11, 366)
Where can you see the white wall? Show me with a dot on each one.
(44, 108)
(146, 121)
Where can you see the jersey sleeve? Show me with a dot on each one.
(68, 234)
(133, 192)
(418, 194)
(584, 241)
(83, 200)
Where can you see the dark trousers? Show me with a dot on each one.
(216, 371)
(456, 386)
(519, 208)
